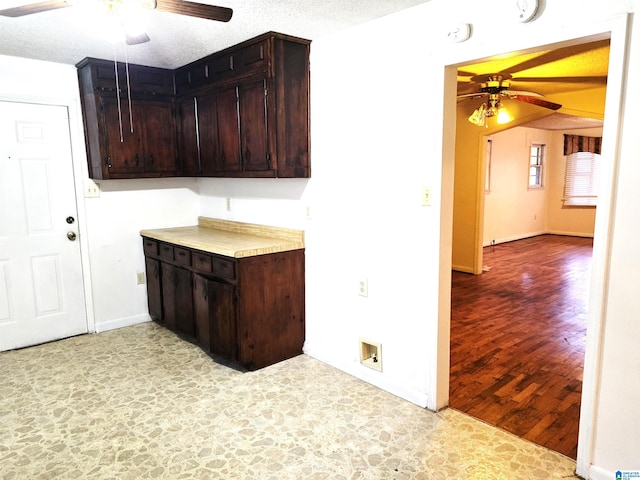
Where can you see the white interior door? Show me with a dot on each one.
(41, 284)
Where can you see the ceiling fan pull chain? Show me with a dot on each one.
(126, 66)
(115, 66)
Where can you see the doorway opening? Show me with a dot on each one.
(505, 398)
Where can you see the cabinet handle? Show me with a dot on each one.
(151, 159)
(197, 125)
(137, 160)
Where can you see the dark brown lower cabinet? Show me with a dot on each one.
(222, 319)
(247, 311)
(154, 288)
(177, 298)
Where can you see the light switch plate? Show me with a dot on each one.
(426, 196)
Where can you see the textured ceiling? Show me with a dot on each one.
(67, 35)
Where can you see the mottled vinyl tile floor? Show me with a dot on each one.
(140, 403)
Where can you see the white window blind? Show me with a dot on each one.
(581, 179)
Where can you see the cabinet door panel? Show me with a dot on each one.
(188, 139)
(168, 280)
(253, 126)
(177, 299)
(184, 302)
(208, 132)
(155, 118)
(122, 145)
(228, 131)
(201, 311)
(154, 289)
(223, 335)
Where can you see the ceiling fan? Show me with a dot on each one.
(496, 86)
(571, 68)
(119, 8)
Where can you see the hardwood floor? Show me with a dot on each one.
(518, 337)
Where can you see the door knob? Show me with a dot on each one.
(71, 236)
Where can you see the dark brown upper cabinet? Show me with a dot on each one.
(129, 120)
(244, 111)
(241, 112)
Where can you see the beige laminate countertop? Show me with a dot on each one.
(231, 239)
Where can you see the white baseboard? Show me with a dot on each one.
(570, 234)
(376, 379)
(535, 234)
(122, 322)
(597, 473)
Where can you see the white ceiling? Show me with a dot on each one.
(66, 36)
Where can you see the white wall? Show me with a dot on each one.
(377, 135)
(113, 223)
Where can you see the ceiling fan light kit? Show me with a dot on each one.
(496, 86)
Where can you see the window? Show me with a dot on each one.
(581, 179)
(536, 163)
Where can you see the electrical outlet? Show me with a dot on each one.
(228, 204)
(307, 212)
(363, 287)
(91, 189)
(140, 278)
(426, 196)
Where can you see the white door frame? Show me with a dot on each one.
(617, 28)
(79, 165)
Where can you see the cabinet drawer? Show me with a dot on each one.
(223, 66)
(166, 251)
(223, 268)
(242, 61)
(182, 256)
(142, 79)
(150, 247)
(202, 261)
(192, 77)
(252, 58)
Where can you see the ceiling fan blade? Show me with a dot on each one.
(193, 9)
(137, 39)
(34, 8)
(536, 101)
(462, 73)
(599, 79)
(471, 95)
(558, 54)
(511, 93)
